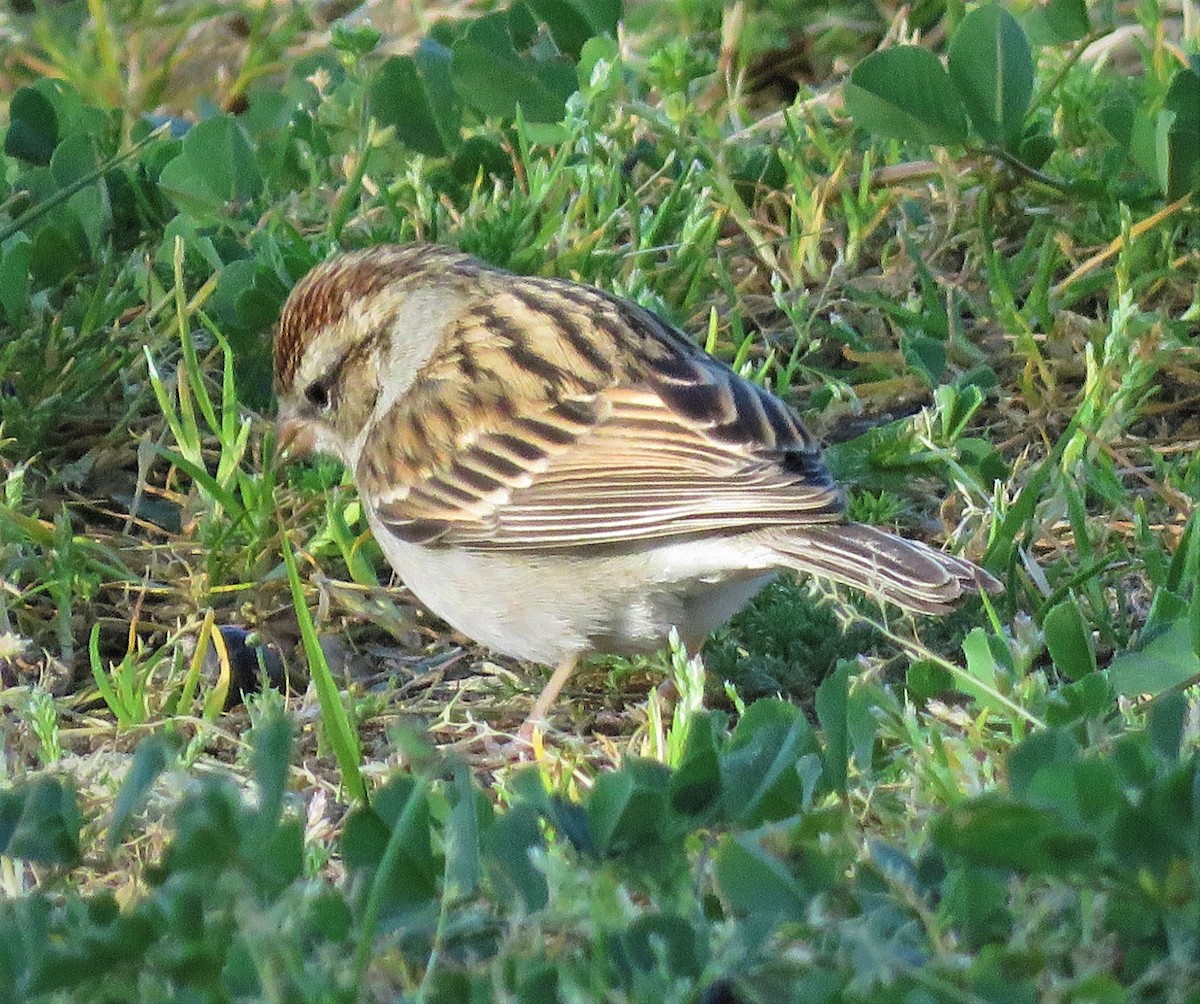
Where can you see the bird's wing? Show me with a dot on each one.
(525, 434)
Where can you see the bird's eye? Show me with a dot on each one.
(317, 394)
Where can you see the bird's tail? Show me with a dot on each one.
(906, 572)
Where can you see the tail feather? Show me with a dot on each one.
(908, 573)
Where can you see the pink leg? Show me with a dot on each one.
(546, 698)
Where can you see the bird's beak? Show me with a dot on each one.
(294, 438)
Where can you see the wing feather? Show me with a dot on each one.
(640, 472)
(616, 430)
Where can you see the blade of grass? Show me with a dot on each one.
(192, 679)
(206, 481)
(338, 729)
(1118, 243)
(103, 683)
(190, 372)
(214, 704)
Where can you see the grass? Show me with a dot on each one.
(989, 806)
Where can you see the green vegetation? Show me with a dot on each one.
(961, 239)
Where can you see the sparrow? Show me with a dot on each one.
(556, 471)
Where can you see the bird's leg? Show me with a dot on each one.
(545, 700)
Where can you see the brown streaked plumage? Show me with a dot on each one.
(556, 471)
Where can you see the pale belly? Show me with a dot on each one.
(551, 607)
